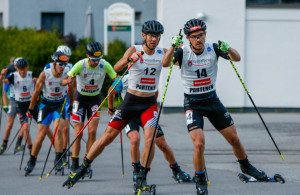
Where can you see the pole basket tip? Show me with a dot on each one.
(208, 183)
(47, 175)
(282, 157)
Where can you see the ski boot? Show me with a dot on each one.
(88, 173)
(141, 187)
(249, 169)
(18, 146)
(75, 164)
(64, 159)
(59, 168)
(136, 170)
(30, 166)
(76, 175)
(179, 175)
(3, 147)
(201, 184)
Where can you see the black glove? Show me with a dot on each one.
(33, 113)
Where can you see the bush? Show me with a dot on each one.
(35, 46)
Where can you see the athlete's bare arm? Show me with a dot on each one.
(123, 62)
(38, 87)
(234, 55)
(110, 100)
(167, 60)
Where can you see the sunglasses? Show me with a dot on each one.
(201, 35)
(61, 63)
(23, 69)
(95, 59)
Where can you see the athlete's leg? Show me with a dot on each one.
(25, 128)
(66, 133)
(92, 130)
(232, 138)
(148, 135)
(76, 145)
(198, 139)
(166, 149)
(10, 122)
(49, 133)
(134, 138)
(96, 149)
(37, 144)
(58, 137)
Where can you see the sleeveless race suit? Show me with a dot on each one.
(144, 77)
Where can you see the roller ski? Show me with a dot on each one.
(180, 176)
(29, 167)
(3, 147)
(277, 178)
(201, 185)
(88, 173)
(250, 170)
(59, 168)
(141, 187)
(76, 175)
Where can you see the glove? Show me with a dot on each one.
(134, 57)
(177, 41)
(28, 115)
(223, 46)
(5, 108)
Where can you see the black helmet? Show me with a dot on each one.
(194, 25)
(153, 27)
(21, 63)
(94, 49)
(59, 57)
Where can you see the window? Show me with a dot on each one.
(280, 3)
(138, 17)
(1, 19)
(53, 21)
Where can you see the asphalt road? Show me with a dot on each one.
(221, 163)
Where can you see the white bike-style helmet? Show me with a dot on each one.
(64, 49)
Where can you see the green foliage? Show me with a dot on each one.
(35, 46)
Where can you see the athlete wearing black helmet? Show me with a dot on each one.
(198, 63)
(140, 100)
(90, 73)
(22, 81)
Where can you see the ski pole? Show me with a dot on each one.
(82, 136)
(262, 120)
(79, 133)
(56, 128)
(1, 109)
(16, 135)
(161, 106)
(123, 175)
(25, 143)
(69, 142)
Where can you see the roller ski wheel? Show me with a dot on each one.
(277, 178)
(182, 177)
(144, 190)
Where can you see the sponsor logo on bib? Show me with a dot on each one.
(202, 82)
(147, 80)
(56, 94)
(25, 94)
(91, 87)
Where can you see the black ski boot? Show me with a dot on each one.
(136, 170)
(141, 187)
(75, 164)
(30, 165)
(77, 174)
(88, 173)
(59, 168)
(249, 169)
(179, 175)
(65, 159)
(18, 146)
(3, 147)
(201, 184)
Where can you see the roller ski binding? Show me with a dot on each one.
(141, 187)
(75, 176)
(250, 170)
(88, 173)
(201, 185)
(180, 176)
(3, 147)
(29, 167)
(277, 178)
